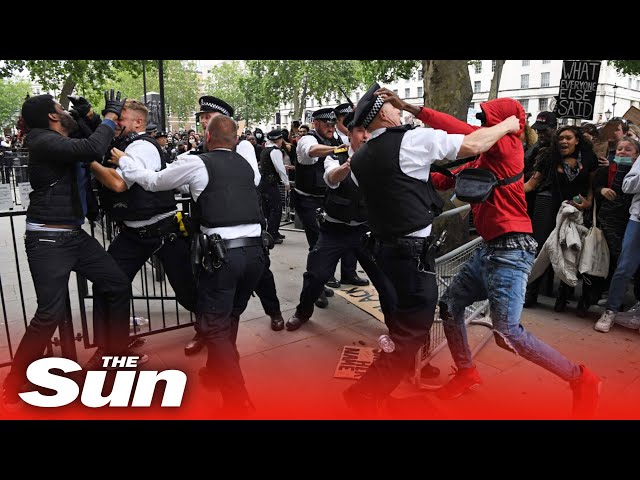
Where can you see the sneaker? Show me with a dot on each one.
(464, 379)
(429, 371)
(635, 310)
(605, 321)
(586, 392)
(362, 405)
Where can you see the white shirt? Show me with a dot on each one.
(146, 156)
(188, 170)
(419, 148)
(302, 150)
(278, 162)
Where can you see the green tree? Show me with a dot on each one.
(229, 82)
(180, 87)
(12, 95)
(627, 67)
(64, 75)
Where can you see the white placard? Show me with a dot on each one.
(25, 190)
(6, 202)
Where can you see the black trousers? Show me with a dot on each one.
(266, 290)
(130, 252)
(271, 206)
(306, 207)
(335, 240)
(416, 293)
(52, 257)
(223, 295)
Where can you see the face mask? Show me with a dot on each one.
(623, 160)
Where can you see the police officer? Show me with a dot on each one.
(348, 263)
(273, 172)
(222, 184)
(148, 219)
(55, 242)
(392, 170)
(310, 187)
(163, 140)
(341, 231)
(210, 107)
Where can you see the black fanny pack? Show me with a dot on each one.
(474, 185)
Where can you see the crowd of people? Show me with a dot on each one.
(364, 187)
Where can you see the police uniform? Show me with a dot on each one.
(223, 187)
(148, 227)
(341, 231)
(341, 111)
(266, 288)
(272, 172)
(392, 171)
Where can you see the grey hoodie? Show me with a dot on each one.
(631, 184)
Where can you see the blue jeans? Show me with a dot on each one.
(627, 265)
(501, 276)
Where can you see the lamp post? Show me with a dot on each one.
(615, 88)
(607, 115)
(163, 116)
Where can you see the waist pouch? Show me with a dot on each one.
(474, 185)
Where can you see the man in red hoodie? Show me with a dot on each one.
(500, 268)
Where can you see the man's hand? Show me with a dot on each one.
(512, 124)
(603, 162)
(116, 155)
(287, 188)
(340, 173)
(608, 194)
(80, 105)
(389, 97)
(289, 167)
(113, 103)
(583, 205)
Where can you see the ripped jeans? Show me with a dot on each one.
(501, 276)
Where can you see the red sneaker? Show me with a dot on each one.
(464, 379)
(586, 393)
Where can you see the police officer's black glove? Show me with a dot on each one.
(113, 104)
(80, 105)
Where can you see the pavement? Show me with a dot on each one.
(289, 375)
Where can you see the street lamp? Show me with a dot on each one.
(607, 114)
(615, 88)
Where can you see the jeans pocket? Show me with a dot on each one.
(512, 258)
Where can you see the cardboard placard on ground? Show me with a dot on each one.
(354, 361)
(6, 201)
(365, 298)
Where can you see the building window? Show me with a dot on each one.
(420, 92)
(396, 91)
(476, 87)
(312, 102)
(544, 79)
(357, 96)
(493, 65)
(420, 74)
(525, 63)
(407, 92)
(546, 62)
(525, 104)
(630, 83)
(543, 104)
(479, 67)
(637, 84)
(524, 81)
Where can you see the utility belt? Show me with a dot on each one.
(167, 227)
(422, 249)
(209, 251)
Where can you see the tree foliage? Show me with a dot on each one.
(180, 87)
(626, 67)
(12, 95)
(229, 82)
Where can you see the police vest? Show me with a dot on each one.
(310, 178)
(230, 198)
(268, 173)
(346, 202)
(136, 203)
(397, 203)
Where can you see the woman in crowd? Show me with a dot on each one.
(566, 169)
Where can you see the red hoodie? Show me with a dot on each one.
(505, 211)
